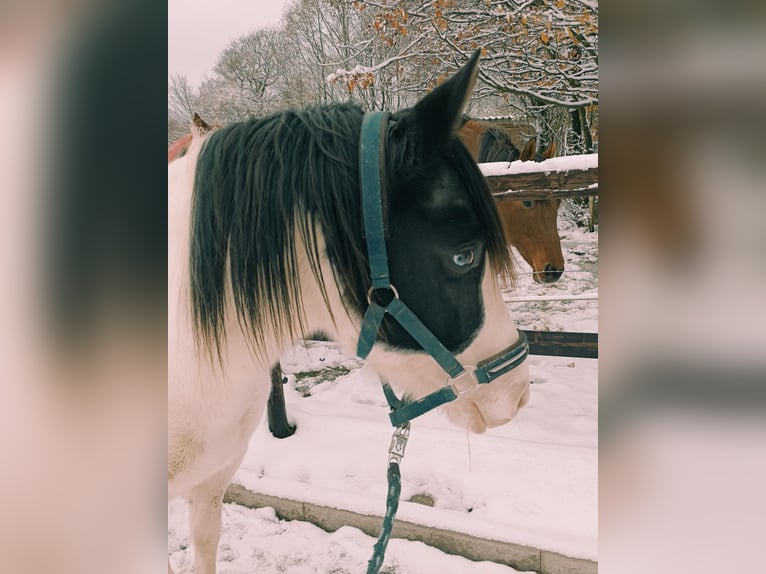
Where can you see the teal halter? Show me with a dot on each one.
(372, 166)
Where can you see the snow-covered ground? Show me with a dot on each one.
(533, 482)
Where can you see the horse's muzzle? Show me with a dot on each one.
(550, 274)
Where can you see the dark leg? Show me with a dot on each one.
(277, 412)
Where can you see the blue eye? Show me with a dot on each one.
(464, 258)
(527, 203)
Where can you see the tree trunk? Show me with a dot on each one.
(587, 137)
(576, 131)
(588, 141)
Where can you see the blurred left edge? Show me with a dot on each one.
(83, 258)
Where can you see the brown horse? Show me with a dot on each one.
(530, 225)
(470, 134)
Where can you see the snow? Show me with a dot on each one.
(553, 165)
(258, 538)
(580, 277)
(532, 482)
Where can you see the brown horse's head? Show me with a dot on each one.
(531, 226)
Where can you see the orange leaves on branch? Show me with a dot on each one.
(544, 37)
(363, 81)
(391, 20)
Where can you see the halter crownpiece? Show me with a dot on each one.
(371, 166)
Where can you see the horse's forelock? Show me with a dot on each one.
(258, 185)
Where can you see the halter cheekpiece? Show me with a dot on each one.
(461, 378)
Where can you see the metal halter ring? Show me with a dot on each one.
(468, 372)
(391, 288)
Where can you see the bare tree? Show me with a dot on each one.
(539, 62)
(540, 57)
(180, 107)
(247, 73)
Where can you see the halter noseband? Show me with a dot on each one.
(371, 165)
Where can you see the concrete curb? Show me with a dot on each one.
(330, 519)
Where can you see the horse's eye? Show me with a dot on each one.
(464, 258)
(527, 203)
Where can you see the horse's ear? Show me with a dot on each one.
(199, 126)
(439, 115)
(550, 152)
(528, 153)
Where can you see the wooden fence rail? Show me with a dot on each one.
(559, 177)
(563, 344)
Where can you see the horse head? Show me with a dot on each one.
(446, 249)
(530, 225)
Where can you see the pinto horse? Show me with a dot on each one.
(530, 225)
(335, 220)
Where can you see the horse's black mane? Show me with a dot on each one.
(259, 181)
(496, 145)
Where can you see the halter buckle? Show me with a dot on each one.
(390, 288)
(398, 443)
(464, 386)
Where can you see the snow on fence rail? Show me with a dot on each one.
(533, 298)
(558, 177)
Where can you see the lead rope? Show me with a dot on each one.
(395, 455)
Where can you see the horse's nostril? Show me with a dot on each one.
(552, 273)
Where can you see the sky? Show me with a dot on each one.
(199, 29)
